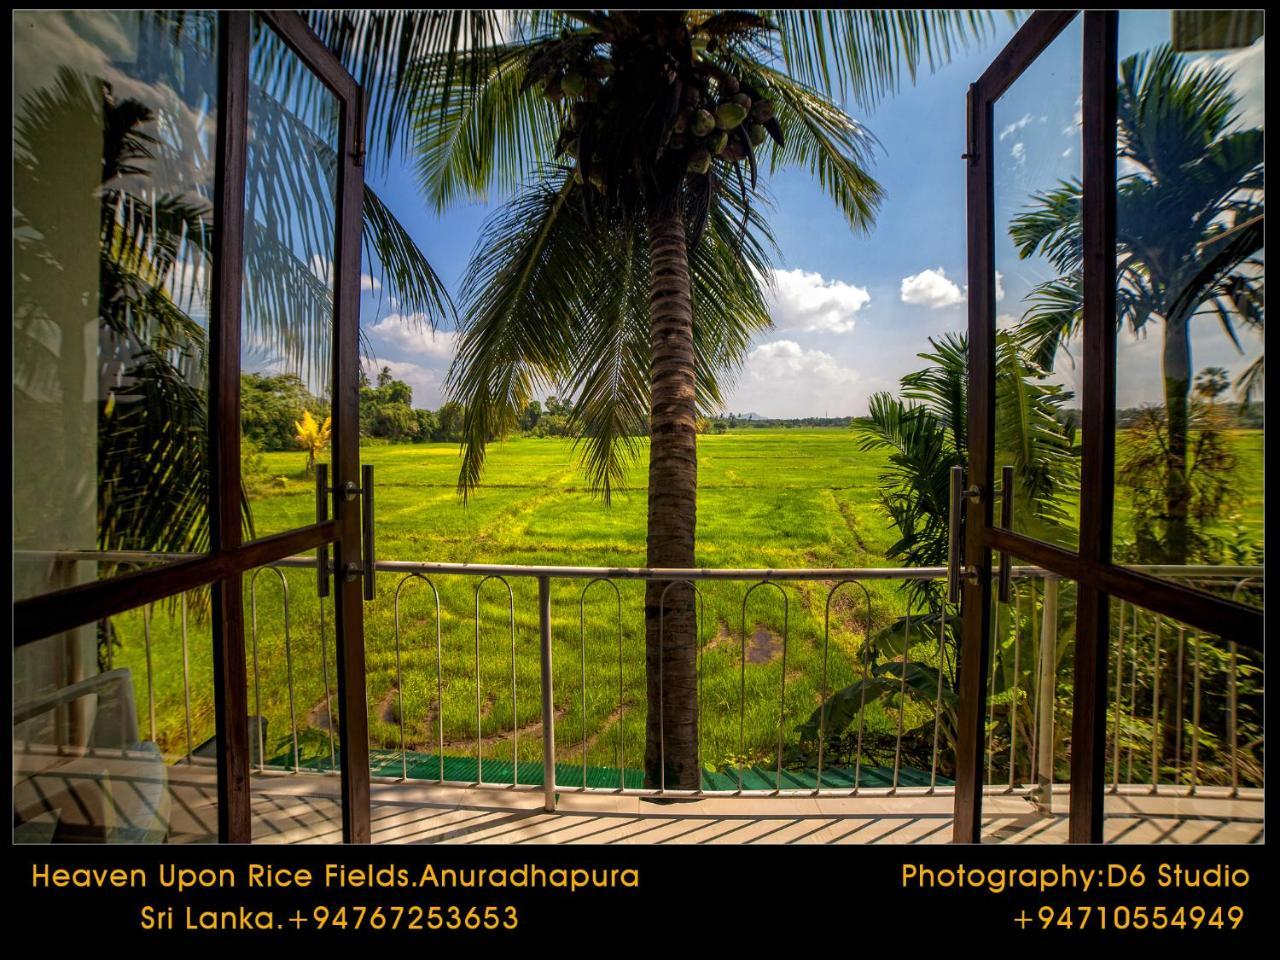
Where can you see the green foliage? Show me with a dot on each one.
(1142, 469)
(271, 405)
(923, 430)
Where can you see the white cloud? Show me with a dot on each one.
(369, 282)
(800, 300)
(424, 382)
(783, 379)
(931, 288)
(934, 289)
(1015, 126)
(1019, 152)
(411, 333)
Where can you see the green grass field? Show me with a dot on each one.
(767, 498)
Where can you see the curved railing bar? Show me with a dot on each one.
(404, 757)
(582, 633)
(288, 661)
(515, 716)
(742, 681)
(699, 624)
(826, 640)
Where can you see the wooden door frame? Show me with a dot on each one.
(1090, 566)
(229, 557)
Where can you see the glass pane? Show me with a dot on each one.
(290, 201)
(113, 737)
(1037, 260)
(1029, 709)
(293, 706)
(1185, 760)
(114, 130)
(1190, 485)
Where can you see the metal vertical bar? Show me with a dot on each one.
(1048, 692)
(288, 661)
(1013, 702)
(395, 614)
(151, 687)
(937, 698)
(1177, 713)
(902, 700)
(1157, 748)
(1133, 692)
(257, 675)
(1195, 719)
(548, 698)
(1232, 721)
(324, 673)
(186, 677)
(1115, 749)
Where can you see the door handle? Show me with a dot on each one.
(958, 496)
(366, 531)
(322, 514)
(1006, 521)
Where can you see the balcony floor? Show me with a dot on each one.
(305, 809)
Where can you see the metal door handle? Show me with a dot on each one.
(366, 530)
(322, 514)
(955, 573)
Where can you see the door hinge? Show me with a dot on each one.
(970, 147)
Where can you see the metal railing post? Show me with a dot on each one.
(1048, 664)
(548, 698)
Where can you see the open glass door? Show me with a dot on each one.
(188, 191)
(1051, 282)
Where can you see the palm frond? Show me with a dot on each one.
(821, 138)
(869, 51)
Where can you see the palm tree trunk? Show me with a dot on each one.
(1176, 368)
(671, 651)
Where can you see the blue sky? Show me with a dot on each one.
(850, 311)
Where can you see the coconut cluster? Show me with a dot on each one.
(717, 119)
(726, 125)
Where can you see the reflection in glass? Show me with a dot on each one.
(1036, 184)
(114, 127)
(1190, 261)
(288, 316)
(113, 730)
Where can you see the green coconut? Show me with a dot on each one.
(757, 134)
(718, 140)
(730, 115)
(733, 151)
(703, 123)
(573, 84)
(699, 161)
(729, 85)
(762, 111)
(743, 100)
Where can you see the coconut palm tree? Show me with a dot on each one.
(1189, 238)
(628, 269)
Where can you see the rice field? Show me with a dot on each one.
(767, 498)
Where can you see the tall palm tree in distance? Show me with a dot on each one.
(629, 266)
(1189, 238)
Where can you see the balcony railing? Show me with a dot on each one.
(1185, 712)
